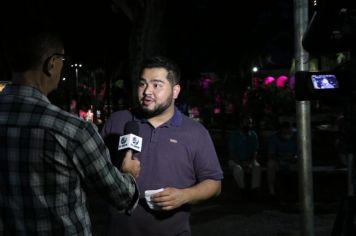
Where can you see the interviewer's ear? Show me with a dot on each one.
(48, 65)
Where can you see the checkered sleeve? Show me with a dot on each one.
(92, 159)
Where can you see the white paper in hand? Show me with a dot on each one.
(148, 194)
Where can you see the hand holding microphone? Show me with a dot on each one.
(130, 164)
(130, 143)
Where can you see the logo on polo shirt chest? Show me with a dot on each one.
(173, 140)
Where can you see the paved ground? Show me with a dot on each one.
(260, 222)
(236, 213)
(255, 214)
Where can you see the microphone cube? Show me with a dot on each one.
(130, 141)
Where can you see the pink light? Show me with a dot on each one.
(217, 110)
(82, 114)
(269, 80)
(206, 83)
(281, 81)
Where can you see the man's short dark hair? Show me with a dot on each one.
(163, 62)
(24, 50)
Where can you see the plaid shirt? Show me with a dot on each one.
(46, 157)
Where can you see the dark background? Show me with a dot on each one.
(203, 36)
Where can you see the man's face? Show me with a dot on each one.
(155, 93)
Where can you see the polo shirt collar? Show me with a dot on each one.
(177, 118)
(175, 121)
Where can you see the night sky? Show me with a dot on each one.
(216, 34)
(203, 36)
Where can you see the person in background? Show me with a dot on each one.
(178, 156)
(73, 109)
(49, 157)
(243, 150)
(282, 153)
(343, 143)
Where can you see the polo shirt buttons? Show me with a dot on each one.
(153, 135)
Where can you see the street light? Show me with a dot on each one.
(76, 66)
(254, 70)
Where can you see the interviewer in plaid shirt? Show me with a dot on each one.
(48, 156)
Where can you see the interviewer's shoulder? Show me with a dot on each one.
(64, 123)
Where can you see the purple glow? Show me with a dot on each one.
(217, 110)
(292, 82)
(206, 83)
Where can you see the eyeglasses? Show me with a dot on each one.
(60, 56)
(63, 56)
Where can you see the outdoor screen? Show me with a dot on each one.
(324, 81)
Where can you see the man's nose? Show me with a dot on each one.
(147, 90)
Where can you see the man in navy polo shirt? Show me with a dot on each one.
(177, 156)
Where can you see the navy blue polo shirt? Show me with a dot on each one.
(179, 153)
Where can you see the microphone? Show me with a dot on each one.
(130, 139)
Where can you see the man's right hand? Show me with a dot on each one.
(131, 165)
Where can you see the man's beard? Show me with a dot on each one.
(157, 110)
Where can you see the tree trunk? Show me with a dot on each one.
(147, 36)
